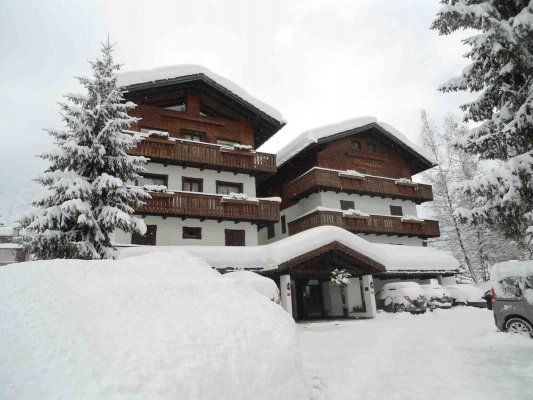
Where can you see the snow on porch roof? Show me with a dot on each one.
(270, 256)
(304, 139)
(169, 73)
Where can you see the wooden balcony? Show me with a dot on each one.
(323, 179)
(210, 206)
(377, 224)
(205, 155)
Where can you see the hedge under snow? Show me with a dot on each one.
(160, 326)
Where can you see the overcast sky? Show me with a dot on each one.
(317, 61)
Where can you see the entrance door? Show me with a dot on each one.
(309, 299)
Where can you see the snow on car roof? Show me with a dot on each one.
(306, 138)
(512, 269)
(270, 256)
(130, 78)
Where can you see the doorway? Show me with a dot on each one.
(309, 299)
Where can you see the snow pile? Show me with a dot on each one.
(159, 134)
(244, 147)
(464, 293)
(351, 173)
(129, 78)
(404, 181)
(511, 278)
(411, 218)
(163, 326)
(265, 286)
(309, 137)
(354, 213)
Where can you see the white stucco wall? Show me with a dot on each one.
(169, 232)
(176, 172)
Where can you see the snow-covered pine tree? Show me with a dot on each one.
(473, 245)
(87, 196)
(502, 71)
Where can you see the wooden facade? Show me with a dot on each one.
(210, 206)
(205, 155)
(322, 179)
(374, 224)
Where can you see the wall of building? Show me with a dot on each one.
(169, 232)
(330, 199)
(176, 173)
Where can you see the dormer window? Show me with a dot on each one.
(371, 147)
(195, 136)
(356, 145)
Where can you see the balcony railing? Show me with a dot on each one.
(320, 179)
(378, 224)
(189, 153)
(210, 206)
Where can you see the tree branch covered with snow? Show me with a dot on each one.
(502, 72)
(87, 196)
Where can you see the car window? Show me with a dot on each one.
(511, 287)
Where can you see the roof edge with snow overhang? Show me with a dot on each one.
(282, 253)
(163, 76)
(331, 132)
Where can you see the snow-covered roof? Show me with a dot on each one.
(270, 256)
(416, 258)
(304, 139)
(7, 231)
(172, 73)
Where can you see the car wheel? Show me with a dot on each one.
(520, 326)
(399, 308)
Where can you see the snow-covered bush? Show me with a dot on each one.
(155, 188)
(354, 212)
(159, 326)
(235, 196)
(266, 286)
(158, 134)
(340, 277)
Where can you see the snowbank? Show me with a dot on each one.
(129, 78)
(311, 136)
(265, 286)
(162, 326)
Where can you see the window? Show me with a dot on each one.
(182, 107)
(396, 210)
(191, 233)
(356, 145)
(192, 184)
(347, 205)
(193, 135)
(371, 147)
(225, 142)
(234, 237)
(283, 224)
(271, 232)
(148, 239)
(152, 179)
(228, 187)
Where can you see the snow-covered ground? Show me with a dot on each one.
(447, 354)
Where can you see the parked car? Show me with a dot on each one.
(466, 295)
(512, 296)
(436, 296)
(400, 297)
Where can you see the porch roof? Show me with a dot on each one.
(298, 249)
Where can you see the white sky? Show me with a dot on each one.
(317, 61)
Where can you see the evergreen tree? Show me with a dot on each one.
(87, 196)
(475, 246)
(502, 71)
